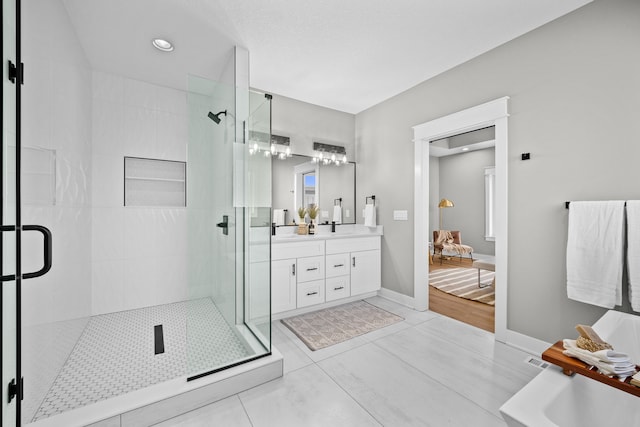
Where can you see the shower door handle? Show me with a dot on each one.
(224, 225)
(47, 250)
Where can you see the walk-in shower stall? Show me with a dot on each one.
(135, 221)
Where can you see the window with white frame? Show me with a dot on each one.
(489, 203)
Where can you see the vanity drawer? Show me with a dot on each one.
(310, 293)
(337, 265)
(337, 287)
(311, 268)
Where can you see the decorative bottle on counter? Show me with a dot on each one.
(312, 227)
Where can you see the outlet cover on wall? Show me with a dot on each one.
(400, 215)
(325, 214)
(347, 213)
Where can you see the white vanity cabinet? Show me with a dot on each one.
(363, 257)
(297, 275)
(318, 270)
(283, 285)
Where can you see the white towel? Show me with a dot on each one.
(370, 215)
(633, 252)
(595, 246)
(278, 216)
(623, 367)
(337, 214)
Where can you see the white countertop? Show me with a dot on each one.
(323, 232)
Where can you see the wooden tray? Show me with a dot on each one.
(572, 366)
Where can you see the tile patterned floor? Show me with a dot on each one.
(115, 353)
(428, 370)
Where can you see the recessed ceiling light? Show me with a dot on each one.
(163, 45)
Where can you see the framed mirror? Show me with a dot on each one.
(298, 181)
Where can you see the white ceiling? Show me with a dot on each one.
(346, 55)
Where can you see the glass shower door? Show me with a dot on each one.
(228, 314)
(8, 269)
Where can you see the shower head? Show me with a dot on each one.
(216, 117)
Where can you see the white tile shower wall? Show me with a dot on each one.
(139, 254)
(56, 116)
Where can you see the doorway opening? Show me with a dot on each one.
(490, 114)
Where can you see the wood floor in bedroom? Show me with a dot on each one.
(470, 312)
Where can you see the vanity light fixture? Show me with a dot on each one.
(327, 154)
(162, 44)
(465, 149)
(279, 146)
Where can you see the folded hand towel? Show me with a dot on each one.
(278, 216)
(337, 214)
(609, 356)
(622, 368)
(633, 252)
(595, 246)
(370, 215)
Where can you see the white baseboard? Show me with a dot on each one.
(397, 297)
(526, 343)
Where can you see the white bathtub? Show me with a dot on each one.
(554, 399)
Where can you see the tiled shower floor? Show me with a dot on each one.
(115, 354)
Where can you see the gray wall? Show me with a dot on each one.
(575, 96)
(462, 181)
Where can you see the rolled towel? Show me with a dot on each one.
(337, 214)
(609, 356)
(608, 362)
(278, 216)
(370, 215)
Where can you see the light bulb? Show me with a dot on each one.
(344, 159)
(288, 152)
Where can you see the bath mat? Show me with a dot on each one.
(323, 328)
(463, 282)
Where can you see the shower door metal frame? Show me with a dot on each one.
(16, 76)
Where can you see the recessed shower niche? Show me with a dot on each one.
(154, 182)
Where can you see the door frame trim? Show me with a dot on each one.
(492, 113)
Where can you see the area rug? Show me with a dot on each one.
(463, 282)
(323, 328)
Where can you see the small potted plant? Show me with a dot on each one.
(302, 226)
(313, 213)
